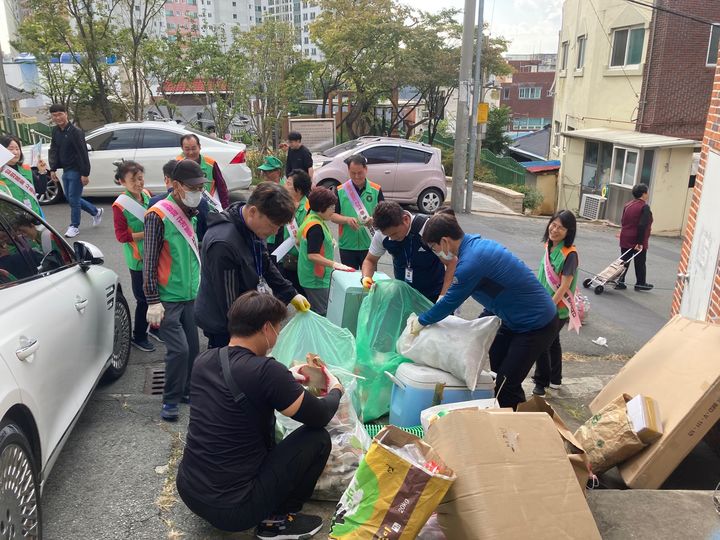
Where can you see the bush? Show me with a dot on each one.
(533, 198)
(448, 155)
(484, 174)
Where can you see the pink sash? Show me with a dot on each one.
(568, 299)
(19, 180)
(358, 206)
(181, 222)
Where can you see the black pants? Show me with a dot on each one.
(513, 354)
(548, 368)
(141, 326)
(284, 483)
(216, 341)
(640, 269)
(353, 258)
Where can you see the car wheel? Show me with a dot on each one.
(53, 194)
(121, 340)
(20, 512)
(330, 184)
(430, 200)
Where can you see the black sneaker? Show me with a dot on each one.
(644, 287)
(539, 390)
(155, 334)
(143, 345)
(620, 286)
(293, 527)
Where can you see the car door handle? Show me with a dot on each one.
(80, 303)
(28, 346)
(388, 172)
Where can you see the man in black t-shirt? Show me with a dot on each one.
(232, 473)
(298, 157)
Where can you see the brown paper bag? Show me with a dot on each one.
(576, 454)
(608, 437)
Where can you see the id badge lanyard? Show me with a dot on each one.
(408, 262)
(262, 285)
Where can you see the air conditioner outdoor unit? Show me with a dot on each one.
(592, 206)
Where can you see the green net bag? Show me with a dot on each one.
(308, 332)
(382, 318)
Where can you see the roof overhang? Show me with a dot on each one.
(634, 139)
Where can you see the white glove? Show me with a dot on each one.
(332, 381)
(299, 377)
(155, 314)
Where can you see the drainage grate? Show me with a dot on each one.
(154, 381)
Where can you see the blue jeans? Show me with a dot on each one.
(73, 188)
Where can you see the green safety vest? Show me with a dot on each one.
(357, 240)
(17, 192)
(311, 275)
(178, 269)
(134, 250)
(557, 260)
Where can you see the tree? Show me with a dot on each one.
(325, 80)
(163, 64)
(496, 138)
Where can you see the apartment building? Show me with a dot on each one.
(528, 92)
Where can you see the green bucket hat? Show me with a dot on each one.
(270, 163)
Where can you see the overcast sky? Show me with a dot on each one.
(531, 25)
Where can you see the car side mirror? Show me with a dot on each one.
(90, 148)
(87, 254)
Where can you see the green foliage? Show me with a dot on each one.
(496, 138)
(447, 158)
(484, 174)
(533, 198)
(254, 157)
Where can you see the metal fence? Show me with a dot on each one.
(27, 133)
(506, 169)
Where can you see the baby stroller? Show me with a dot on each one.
(611, 274)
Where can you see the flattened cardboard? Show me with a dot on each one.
(513, 478)
(680, 368)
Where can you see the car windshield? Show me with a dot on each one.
(340, 148)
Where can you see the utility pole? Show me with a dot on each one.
(5, 97)
(477, 94)
(461, 120)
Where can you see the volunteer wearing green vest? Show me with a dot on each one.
(298, 185)
(215, 184)
(354, 210)
(171, 272)
(271, 170)
(558, 274)
(316, 252)
(17, 178)
(129, 219)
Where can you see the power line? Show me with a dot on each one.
(672, 12)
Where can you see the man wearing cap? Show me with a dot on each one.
(357, 199)
(172, 276)
(215, 185)
(271, 170)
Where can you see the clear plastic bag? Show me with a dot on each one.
(381, 320)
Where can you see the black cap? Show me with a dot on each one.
(189, 173)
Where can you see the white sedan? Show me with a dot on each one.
(152, 144)
(65, 326)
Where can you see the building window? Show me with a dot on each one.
(557, 129)
(314, 51)
(530, 92)
(581, 52)
(627, 47)
(307, 41)
(624, 167)
(312, 15)
(234, 15)
(506, 92)
(713, 47)
(563, 55)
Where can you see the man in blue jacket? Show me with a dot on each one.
(506, 287)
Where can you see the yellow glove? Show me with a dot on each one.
(300, 303)
(415, 326)
(367, 282)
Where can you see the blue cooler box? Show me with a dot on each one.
(346, 295)
(414, 388)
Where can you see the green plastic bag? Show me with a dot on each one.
(309, 332)
(382, 318)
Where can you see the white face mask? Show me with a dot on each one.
(192, 199)
(444, 256)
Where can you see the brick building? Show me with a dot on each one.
(528, 92)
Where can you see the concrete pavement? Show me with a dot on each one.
(114, 479)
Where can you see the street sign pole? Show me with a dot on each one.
(474, 125)
(461, 120)
(4, 96)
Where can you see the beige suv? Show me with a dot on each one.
(408, 172)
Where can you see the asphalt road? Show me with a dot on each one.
(114, 478)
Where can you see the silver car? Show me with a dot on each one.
(65, 327)
(408, 172)
(152, 144)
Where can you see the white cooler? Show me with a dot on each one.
(346, 295)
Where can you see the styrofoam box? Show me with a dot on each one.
(414, 388)
(346, 295)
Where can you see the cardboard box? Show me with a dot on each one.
(644, 415)
(680, 369)
(575, 453)
(513, 478)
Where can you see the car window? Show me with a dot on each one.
(158, 138)
(340, 148)
(409, 155)
(27, 247)
(380, 154)
(121, 139)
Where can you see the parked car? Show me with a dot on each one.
(152, 144)
(408, 172)
(65, 326)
